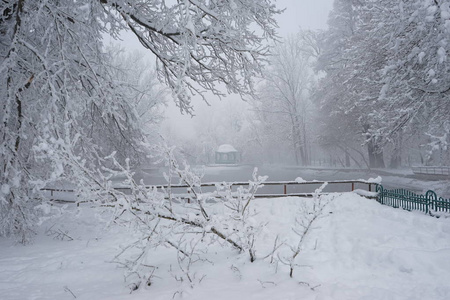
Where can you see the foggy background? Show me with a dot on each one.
(302, 131)
(297, 15)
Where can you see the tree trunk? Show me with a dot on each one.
(350, 157)
(396, 158)
(375, 152)
(347, 159)
(374, 149)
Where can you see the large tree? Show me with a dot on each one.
(387, 71)
(416, 74)
(55, 82)
(283, 104)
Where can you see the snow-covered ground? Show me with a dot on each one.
(359, 249)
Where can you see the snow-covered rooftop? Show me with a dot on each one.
(226, 148)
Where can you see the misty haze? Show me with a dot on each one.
(242, 149)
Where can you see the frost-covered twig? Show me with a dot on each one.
(264, 283)
(308, 215)
(313, 288)
(66, 289)
(276, 246)
(240, 219)
(58, 234)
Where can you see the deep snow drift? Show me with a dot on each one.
(359, 249)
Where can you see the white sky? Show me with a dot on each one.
(305, 14)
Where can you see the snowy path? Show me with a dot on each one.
(359, 250)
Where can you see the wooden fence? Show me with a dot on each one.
(400, 198)
(430, 170)
(182, 190)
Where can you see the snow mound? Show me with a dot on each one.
(374, 180)
(299, 180)
(365, 193)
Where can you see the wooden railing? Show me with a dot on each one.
(346, 186)
(431, 170)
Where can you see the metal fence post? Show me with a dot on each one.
(431, 199)
(379, 189)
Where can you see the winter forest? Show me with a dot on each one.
(110, 107)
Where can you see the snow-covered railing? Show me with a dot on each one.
(431, 170)
(348, 185)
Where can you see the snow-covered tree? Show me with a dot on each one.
(351, 86)
(284, 97)
(416, 75)
(387, 71)
(138, 80)
(56, 85)
(55, 88)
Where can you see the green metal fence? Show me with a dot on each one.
(428, 203)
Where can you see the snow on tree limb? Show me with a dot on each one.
(202, 44)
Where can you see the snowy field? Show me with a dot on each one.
(358, 249)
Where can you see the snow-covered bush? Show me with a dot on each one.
(165, 219)
(307, 215)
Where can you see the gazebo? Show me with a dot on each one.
(227, 154)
